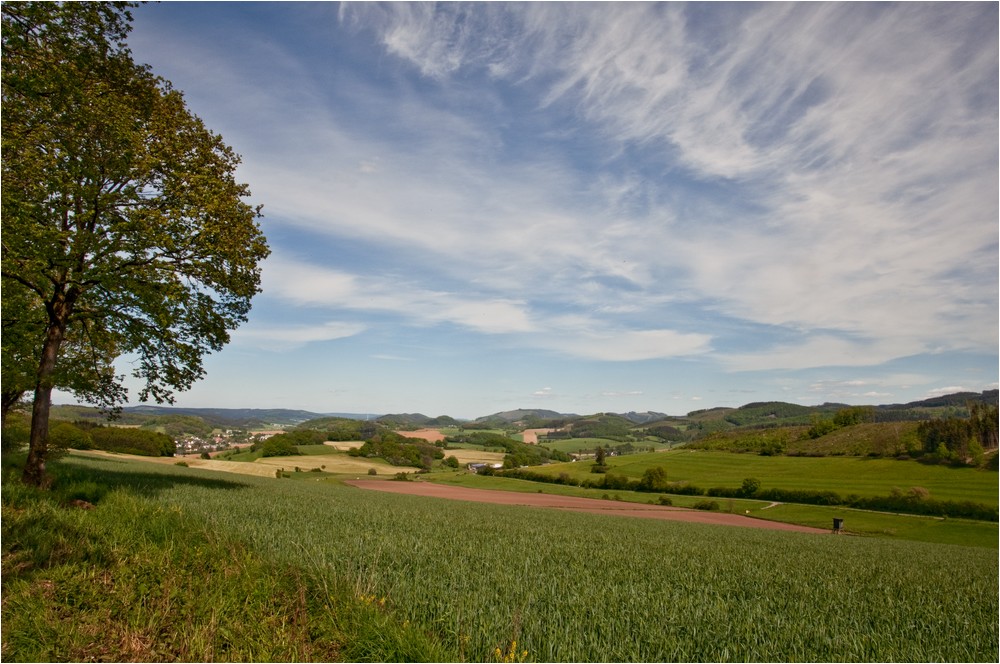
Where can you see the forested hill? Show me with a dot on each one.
(220, 417)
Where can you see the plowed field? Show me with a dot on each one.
(575, 504)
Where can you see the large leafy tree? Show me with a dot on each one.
(124, 230)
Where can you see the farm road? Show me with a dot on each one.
(575, 504)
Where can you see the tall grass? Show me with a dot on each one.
(496, 583)
(136, 579)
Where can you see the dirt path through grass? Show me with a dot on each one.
(575, 504)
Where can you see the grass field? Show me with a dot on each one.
(856, 522)
(574, 445)
(846, 475)
(476, 578)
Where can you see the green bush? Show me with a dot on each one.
(280, 445)
(63, 435)
(132, 441)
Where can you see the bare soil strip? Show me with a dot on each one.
(575, 504)
(430, 435)
(530, 436)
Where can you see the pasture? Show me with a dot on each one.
(576, 445)
(863, 476)
(581, 587)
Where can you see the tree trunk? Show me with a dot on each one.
(34, 467)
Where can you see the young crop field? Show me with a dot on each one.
(863, 476)
(521, 584)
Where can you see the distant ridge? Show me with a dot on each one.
(766, 411)
(282, 416)
(522, 414)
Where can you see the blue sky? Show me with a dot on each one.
(602, 207)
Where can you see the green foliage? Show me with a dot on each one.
(451, 462)
(654, 479)
(847, 417)
(15, 434)
(132, 441)
(179, 425)
(750, 486)
(959, 440)
(279, 445)
(63, 435)
(821, 427)
(399, 450)
(338, 428)
(769, 412)
(121, 216)
(612, 427)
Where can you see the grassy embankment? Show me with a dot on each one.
(132, 577)
(178, 563)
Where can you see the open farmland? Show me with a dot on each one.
(584, 587)
(860, 475)
(576, 445)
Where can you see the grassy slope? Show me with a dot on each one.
(573, 445)
(566, 587)
(136, 579)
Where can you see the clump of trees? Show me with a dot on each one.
(842, 418)
(960, 440)
(124, 440)
(399, 450)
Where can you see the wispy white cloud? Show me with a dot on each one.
(284, 338)
(305, 284)
(760, 186)
(867, 133)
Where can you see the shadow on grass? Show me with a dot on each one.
(145, 480)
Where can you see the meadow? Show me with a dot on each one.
(473, 582)
(863, 476)
(576, 445)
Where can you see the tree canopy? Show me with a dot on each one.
(124, 228)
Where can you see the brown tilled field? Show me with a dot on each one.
(575, 504)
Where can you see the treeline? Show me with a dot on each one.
(286, 444)
(123, 440)
(915, 501)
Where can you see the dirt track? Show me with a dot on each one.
(574, 504)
